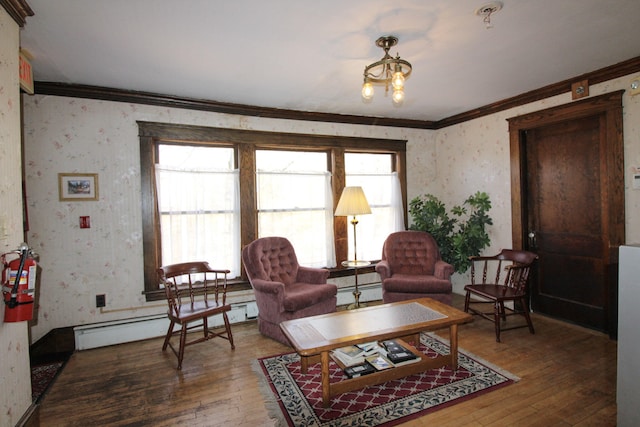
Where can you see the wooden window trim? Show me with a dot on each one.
(247, 142)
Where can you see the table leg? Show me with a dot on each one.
(326, 392)
(304, 364)
(453, 340)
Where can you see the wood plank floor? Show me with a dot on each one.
(568, 378)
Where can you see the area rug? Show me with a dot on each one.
(42, 377)
(295, 399)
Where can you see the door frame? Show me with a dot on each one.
(609, 108)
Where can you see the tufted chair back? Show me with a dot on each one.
(283, 289)
(272, 259)
(411, 267)
(411, 252)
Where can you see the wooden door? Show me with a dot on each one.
(571, 191)
(565, 220)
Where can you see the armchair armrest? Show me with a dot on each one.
(443, 270)
(267, 287)
(312, 275)
(383, 269)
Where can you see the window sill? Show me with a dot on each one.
(243, 285)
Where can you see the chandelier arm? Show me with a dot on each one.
(386, 66)
(388, 71)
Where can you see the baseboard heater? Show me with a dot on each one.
(141, 328)
(145, 327)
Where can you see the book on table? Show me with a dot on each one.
(348, 356)
(369, 347)
(366, 358)
(354, 354)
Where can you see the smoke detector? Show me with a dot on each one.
(487, 10)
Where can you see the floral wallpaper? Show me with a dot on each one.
(15, 397)
(90, 136)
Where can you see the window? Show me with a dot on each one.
(198, 204)
(295, 201)
(374, 173)
(233, 186)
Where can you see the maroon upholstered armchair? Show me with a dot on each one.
(411, 267)
(285, 290)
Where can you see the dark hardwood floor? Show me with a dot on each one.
(568, 378)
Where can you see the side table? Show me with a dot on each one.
(356, 293)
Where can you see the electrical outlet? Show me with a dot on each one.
(101, 300)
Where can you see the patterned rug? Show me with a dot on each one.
(295, 399)
(42, 377)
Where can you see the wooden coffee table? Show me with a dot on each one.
(315, 337)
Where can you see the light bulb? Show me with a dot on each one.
(367, 91)
(398, 80)
(398, 97)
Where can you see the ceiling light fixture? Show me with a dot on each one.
(388, 71)
(487, 10)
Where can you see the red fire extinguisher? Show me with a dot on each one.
(19, 284)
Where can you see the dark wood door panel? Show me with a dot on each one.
(567, 178)
(571, 278)
(581, 314)
(568, 244)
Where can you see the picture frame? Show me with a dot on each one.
(78, 187)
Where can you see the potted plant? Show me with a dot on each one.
(460, 233)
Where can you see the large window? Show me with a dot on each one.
(381, 185)
(207, 192)
(198, 204)
(295, 200)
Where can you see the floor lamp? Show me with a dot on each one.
(352, 203)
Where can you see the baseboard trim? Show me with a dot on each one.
(26, 419)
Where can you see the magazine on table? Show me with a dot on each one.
(379, 362)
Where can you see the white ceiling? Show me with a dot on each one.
(309, 55)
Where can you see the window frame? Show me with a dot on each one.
(246, 142)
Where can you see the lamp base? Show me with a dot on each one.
(356, 292)
(355, 306)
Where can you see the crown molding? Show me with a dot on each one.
(119, 95)
(18, 10)
(608, 73)
(109, 94)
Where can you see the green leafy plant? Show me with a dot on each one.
(460, 233)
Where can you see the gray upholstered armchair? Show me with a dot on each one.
(285, 290)
(411, 267)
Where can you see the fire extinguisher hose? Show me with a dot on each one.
(13, 302)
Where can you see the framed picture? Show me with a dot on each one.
(78, 187)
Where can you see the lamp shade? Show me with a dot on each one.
(352, 202)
